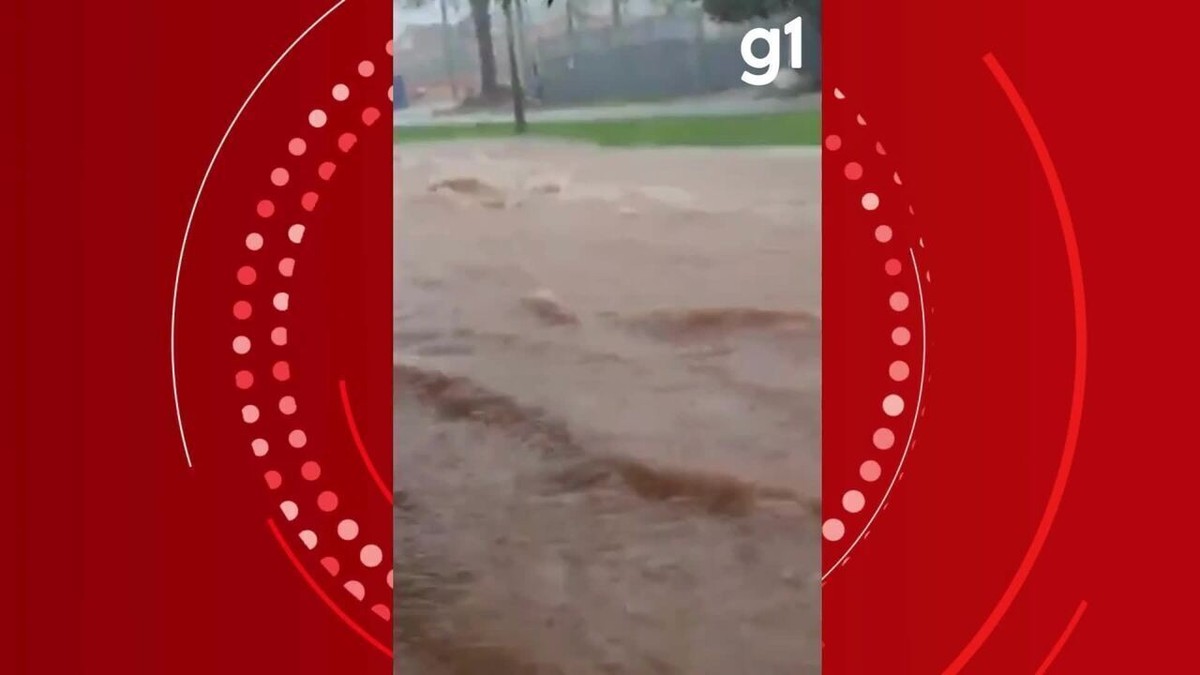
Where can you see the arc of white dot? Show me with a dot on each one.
(912, 429)
(370, 555)
(852, 500)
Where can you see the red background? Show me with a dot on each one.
(125, 559)
(120, 559)
(1108, 91)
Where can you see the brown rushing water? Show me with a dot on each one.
(607, 413)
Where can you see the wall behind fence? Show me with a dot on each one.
(646, 58)
(663, 57)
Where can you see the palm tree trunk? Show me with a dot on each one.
(448, 53)
(518, 93)
(522, 46)
(481, 14)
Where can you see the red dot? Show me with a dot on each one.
(244, 379)
(347, 141)
(274, 480)
(854, 170)
(246, 275)
(833, 142)
(331, 565)
(310, 471)
(266, 208)
(309, 201)
(327, 501)
(242, 309)
(281, 370)
(892, 267)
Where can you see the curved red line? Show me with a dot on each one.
(321, 594)
(358, 443)
(1080, 377)
(1062, 639)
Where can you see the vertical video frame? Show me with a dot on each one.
(607, 337)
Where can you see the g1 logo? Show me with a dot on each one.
(769, 64)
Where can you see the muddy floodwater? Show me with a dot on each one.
(607, 410)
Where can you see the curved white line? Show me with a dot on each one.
(912, 430)
(191, 216)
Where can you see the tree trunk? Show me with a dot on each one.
(481, 14)
(518, 94)
(448, 53)
(522, 46)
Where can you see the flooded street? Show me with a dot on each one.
(607, 410)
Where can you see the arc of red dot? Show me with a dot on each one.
(853, 501)
(370, 555)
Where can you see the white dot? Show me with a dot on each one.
(870, 201)
(260, 447)
(290, 510)
(341, 92)
(317, 118)
(883, 234)
(870, 471)
(833, 529)
(254, 241)
(853, 501)
(296, 233)
(241, 344)
(281, 301)
(893, 405)
(347, 529)
(371, 555)
(366, 69)
(883, 439)
(250, 414)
